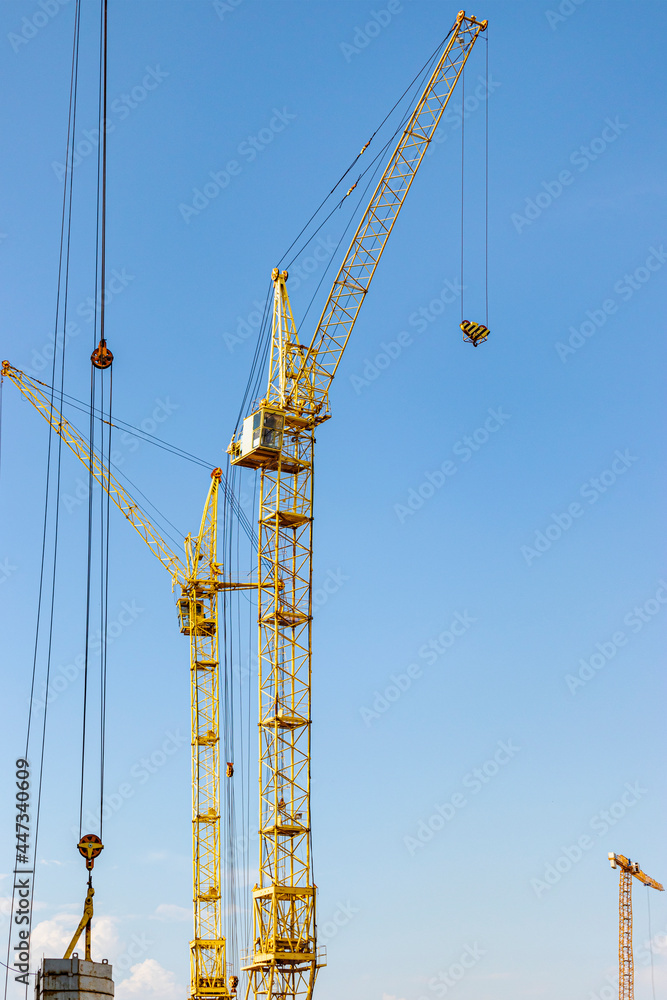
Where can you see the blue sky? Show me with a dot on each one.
(541, 542)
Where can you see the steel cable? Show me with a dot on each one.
(65, 219)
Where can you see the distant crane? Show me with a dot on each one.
(626, 965)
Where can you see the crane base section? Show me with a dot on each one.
(73, 979)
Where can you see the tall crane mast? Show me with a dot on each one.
(278, 439)
(199, 578)
(626, 965)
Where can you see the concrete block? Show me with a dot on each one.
(74, 979)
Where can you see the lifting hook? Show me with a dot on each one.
(90, 847)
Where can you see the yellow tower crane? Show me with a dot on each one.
(278, 439)
(199, 578)
(626, 965)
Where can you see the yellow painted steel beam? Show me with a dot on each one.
(625, 864)
(199, 617)
(38, 394)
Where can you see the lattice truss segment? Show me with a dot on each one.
(289, 383)
(273, 982)
(34, 392)
(284, 958)
(626, 965)
(321, 360)
(208, 973)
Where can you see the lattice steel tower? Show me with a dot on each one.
(278, 440)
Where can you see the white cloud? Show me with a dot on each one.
(149, 981)
(388, 996)
(171, 913)
(52, 937)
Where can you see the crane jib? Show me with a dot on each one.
(356, 272)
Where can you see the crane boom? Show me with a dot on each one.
(33, 390)
(352, 282)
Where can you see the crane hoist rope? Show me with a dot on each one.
(100, 425)
(44, 623)
(475, 333)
